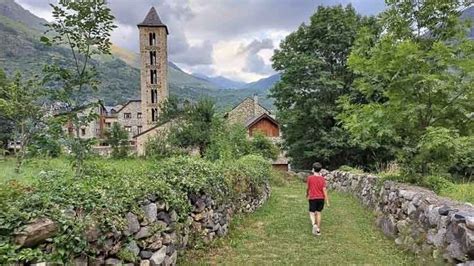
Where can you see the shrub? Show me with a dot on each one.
(436, 183)
(107, 191)
(350, 169)
(263, 146)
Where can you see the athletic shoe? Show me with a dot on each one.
(318, 232)
(315, 229)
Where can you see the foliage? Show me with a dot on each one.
(263, 146)
(350, 169)
(85, 28)
(161, 147)
(313, 65)
(20, 104)
(228, 142)
(107, 191)
(416, 87)
(117, 137)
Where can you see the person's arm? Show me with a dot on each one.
(326, 197)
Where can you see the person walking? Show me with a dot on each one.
(317, 196)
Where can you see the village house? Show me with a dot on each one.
(139, 117)
(258, 120)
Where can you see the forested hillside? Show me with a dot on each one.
(21, 51)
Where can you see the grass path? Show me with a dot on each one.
(280, 233)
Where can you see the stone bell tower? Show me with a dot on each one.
(154, 66)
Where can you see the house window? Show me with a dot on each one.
(127, 115)
(152, 37)
(139, 115)
(128, 129)
(83, 132)
(153, 58)
(154, 114)
(154, 96)
(108, 125)
(153, 77)
(139, 129)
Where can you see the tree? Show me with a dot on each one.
(117, 138)
(314, 74)
(20, 104)
(416, 84)
(263, 146)
(84, 27)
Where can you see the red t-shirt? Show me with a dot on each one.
(316, 183)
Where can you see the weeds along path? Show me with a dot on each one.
(280, 233)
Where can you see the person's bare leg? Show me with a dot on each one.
(318, 219)
(312, 217)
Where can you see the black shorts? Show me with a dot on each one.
(316, 205)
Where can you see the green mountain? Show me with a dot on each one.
(21, 51)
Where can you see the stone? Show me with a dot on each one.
(92, 233)
(145, 263)
(158, 257)
(437, 238)
(143, 233)
(133, 225)
(168, 238)
(199, 206)
(171, 260)
(407, 194)
(444, 211)
(164, 216)
(80, 261)
(155, 245)
(411, 208)
(173, 216)
(36, 232)
(199, 216)
(160, 206)
(146, 254)
(454, 250)
(459, 217)
(170, 249)
(470, 222)
(434, 216)
(161, 224)
(113, 261)
(96, 261)
(150, 211)
(388, 225)
(133, 248)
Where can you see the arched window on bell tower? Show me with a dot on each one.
(152, 37)
(154, 96)
(153, 58)
(153, 77)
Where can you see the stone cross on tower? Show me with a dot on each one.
(154, 66)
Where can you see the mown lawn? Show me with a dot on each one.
(280, 233)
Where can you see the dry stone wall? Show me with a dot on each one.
(415, 217)
(154, 235)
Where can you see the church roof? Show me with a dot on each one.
(152, 19)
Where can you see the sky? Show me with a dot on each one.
(230, 38)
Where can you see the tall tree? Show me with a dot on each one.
(416, 85)
(313, 65)
(84, 27)
(117, 137)
(20, 105)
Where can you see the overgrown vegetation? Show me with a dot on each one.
(367, 92)
(107, 191)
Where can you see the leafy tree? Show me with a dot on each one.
(117, 138)
(20, 104)
(263, 146)
(6, 127)
(228, 142)
(84, 27)
(197, 122)
(416, 84)
(314, 74)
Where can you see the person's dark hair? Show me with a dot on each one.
(317, 167)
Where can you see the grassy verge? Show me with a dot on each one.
(280, 233)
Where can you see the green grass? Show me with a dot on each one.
(280, 233)
(461, 192)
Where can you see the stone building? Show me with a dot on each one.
(138, 117)
(258, 119)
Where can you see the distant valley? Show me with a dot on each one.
(21, 50)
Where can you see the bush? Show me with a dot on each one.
(263, 146)
(350, 169)
(109, 190)
(436, 183)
